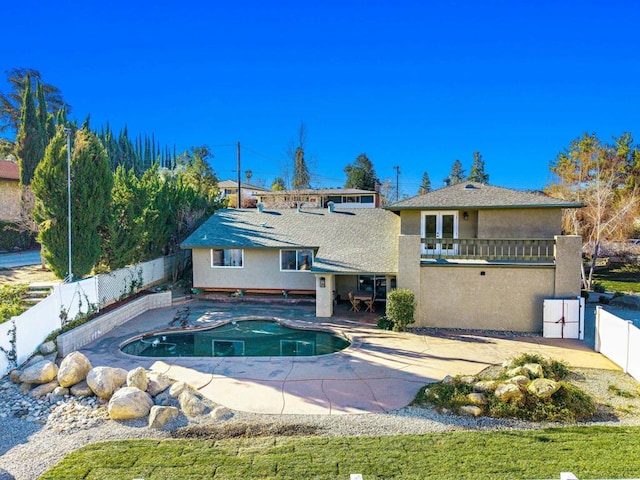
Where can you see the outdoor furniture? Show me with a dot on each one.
(355, 304)
(364, 297)
(371, 304)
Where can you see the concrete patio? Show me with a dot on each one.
(380, 371)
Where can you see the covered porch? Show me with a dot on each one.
(333, 289)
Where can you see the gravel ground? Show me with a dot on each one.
(28, 448)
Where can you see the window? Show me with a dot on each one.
(227, 257)
(296, 259)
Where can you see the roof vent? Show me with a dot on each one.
(260, 207)
(470, 186)
(298, 207)
(331, 207)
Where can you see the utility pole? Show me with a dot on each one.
(397, 169)
(239, 204)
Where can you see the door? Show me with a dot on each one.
(439, 229)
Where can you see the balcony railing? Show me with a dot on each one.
(496, 250)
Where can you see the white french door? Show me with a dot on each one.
(439, 229)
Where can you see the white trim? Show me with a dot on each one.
(438, 214)
(296, 250)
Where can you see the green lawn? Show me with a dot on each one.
(588, 452)
(624, 279)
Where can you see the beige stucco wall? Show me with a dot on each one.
(9, 200)
(504, 298)
(324, 295)
(520, 223)
(568, 254)
(261, 270)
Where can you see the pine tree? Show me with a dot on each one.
(361, 174)
(278, 184)
(477, 170)
(426, 184)
(457, 173)
(30, 141)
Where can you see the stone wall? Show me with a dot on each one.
(9, 200)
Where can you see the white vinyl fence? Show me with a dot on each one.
(618, 340)
(68, 300)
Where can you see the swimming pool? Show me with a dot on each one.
(242, 338)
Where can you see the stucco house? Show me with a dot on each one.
(476, 256)
(230, 187)
(10, 203)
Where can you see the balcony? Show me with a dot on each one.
(488, 250)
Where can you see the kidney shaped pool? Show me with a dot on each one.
(248, 338)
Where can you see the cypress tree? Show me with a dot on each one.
(301, 176)
(477, 173)
(30, 141)
(50, 212)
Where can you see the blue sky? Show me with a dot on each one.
(417, 84)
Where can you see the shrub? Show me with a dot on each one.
(385, 324)
(604, 300)
(11, 301)
(401, 304)
(597, 287)
(552, 369)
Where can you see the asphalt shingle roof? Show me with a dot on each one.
(358, 240)
(478, 195)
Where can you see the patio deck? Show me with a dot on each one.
(379, 372)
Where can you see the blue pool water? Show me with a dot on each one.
(248, 338)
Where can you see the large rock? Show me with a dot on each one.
(543, 387)
(515, 371)
(520, 380)
(177, 388)
(42, 390)
(472, 410)
(61, 392)
(41, 372)
(128, 403)
(485, 386)
(73, 369)
(37, 358)
(467, 379)
(221, 413)
(137, 378)
(191, 403)
(81, 389)
(626, 301)
(476, 398)
(47, 348)
(14, 375)
(535, 370)
(159, 416)
(508, 392)
(104, 381)
(157, 382)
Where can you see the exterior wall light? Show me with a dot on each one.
(465, 215)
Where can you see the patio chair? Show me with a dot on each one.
(355, 304)
(371, 304)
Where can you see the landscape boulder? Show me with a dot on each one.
(543, 387)
(137, 378)
(177, 388)
(515, 371)
(81, 389)
(73, 369)
(191, 403)
(128, 403)
(476, 398)
(520, 380)
(485, 386)
(220, 413)
(61, 391)
(43, 389)
(41, 372)
(14, 375)
(472, 410)
(535, 370)
(157, 382)
(104, 381)
(508, 392)
(160, 415)
(47, 347)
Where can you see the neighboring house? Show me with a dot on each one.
(10, 203)
(310, 198)
(230, 187)
(476, 256)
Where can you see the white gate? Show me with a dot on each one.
(563, 318)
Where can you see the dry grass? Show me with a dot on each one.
(31, 274)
